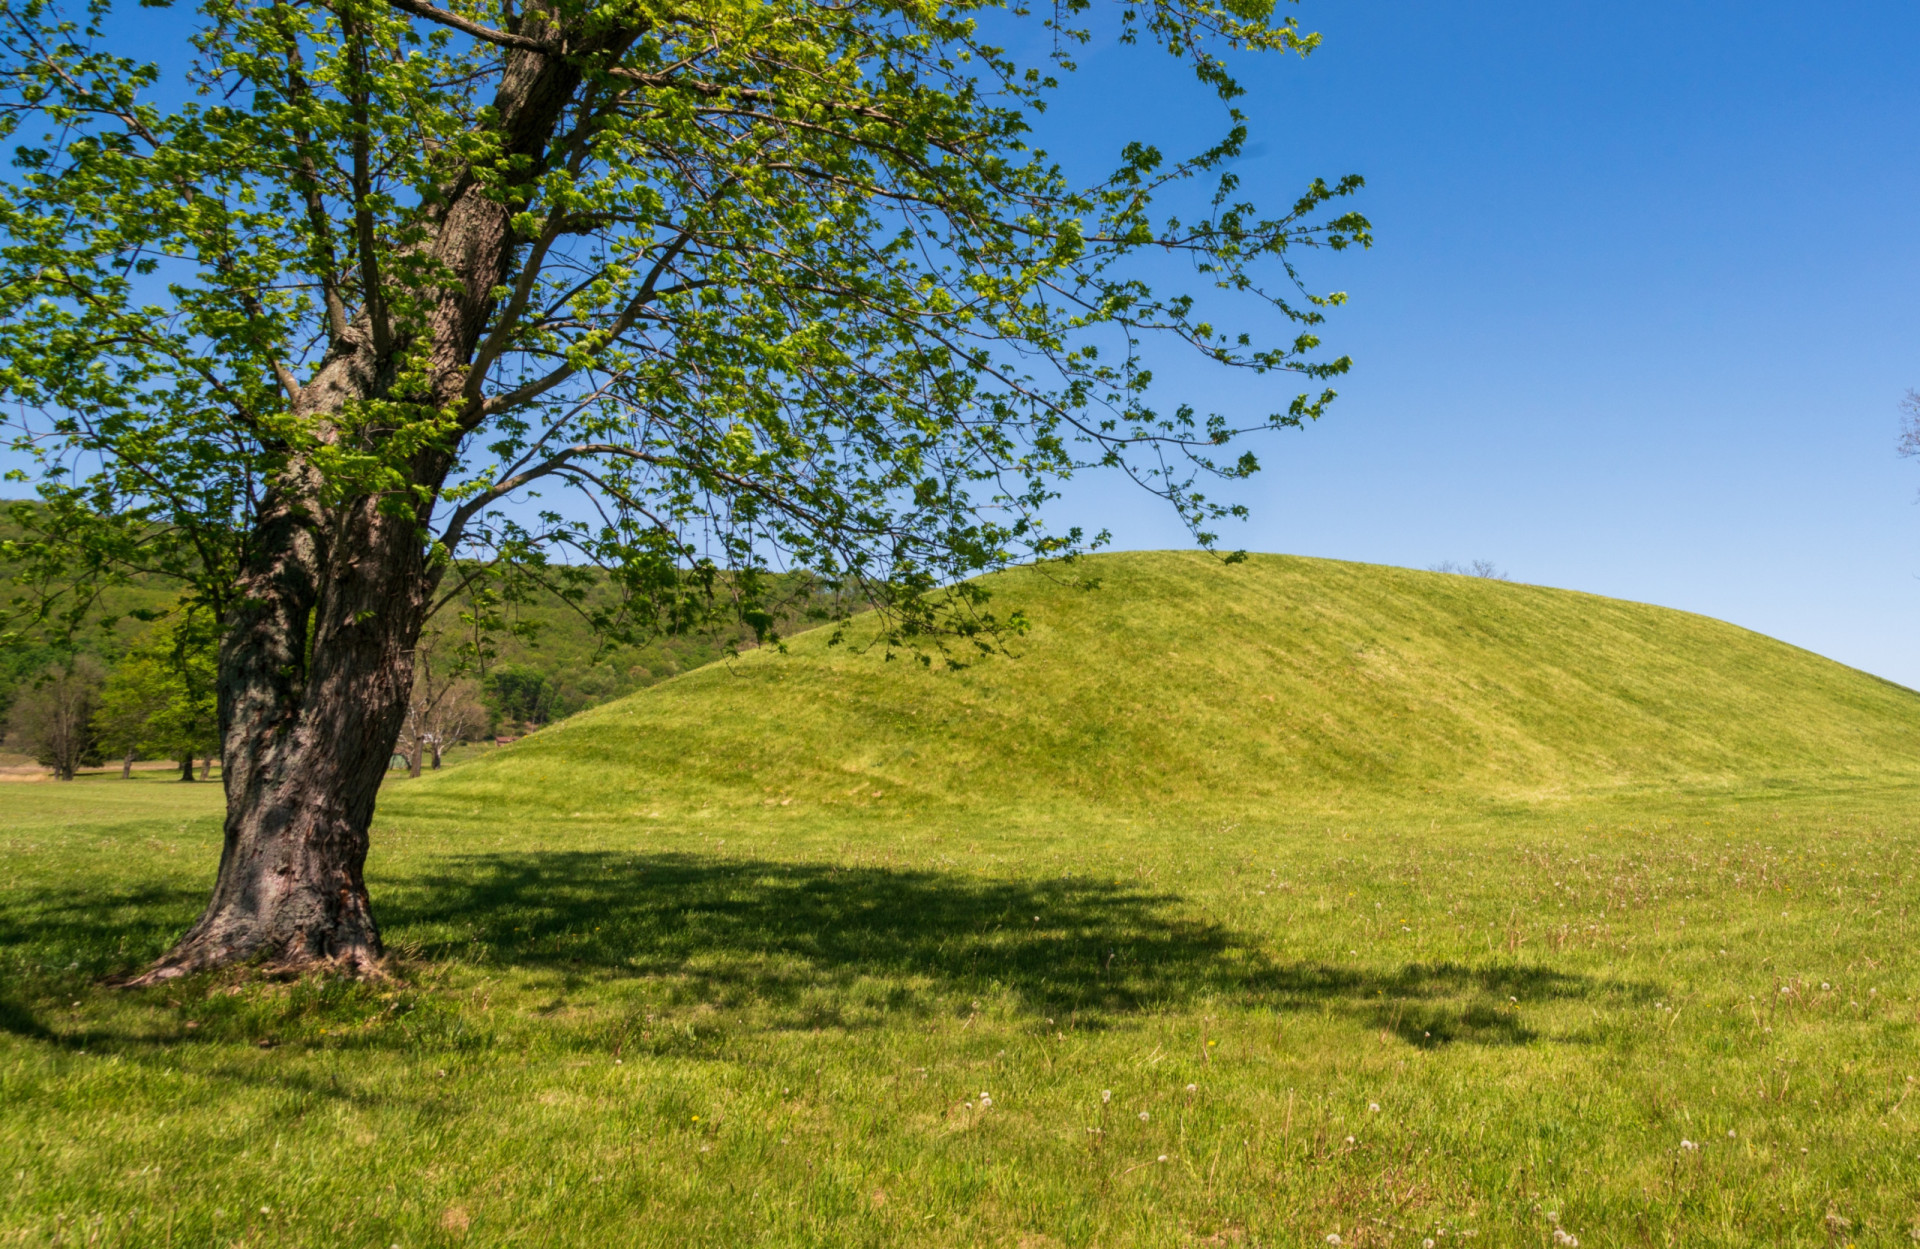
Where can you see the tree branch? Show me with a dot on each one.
(318, 219)
(621, 324)
(500, 38)
(372, 297)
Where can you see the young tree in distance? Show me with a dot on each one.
(456, 716)
(159, 699)
(135, 692)
(52, 719)
(445, 706)
(769, 283)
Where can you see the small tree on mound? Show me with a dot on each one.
(768, 282)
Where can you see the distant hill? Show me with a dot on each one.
(107, 631)
(1275, 684)
(584, 671)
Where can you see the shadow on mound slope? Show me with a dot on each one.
(1163, 678)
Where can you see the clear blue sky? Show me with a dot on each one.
(1645, 298)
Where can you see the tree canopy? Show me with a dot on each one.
(768, 284)
(784, 282)
(159, 699)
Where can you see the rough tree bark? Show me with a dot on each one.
(316, 667)
(304, 753)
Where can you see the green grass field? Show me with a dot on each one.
(1253, 905)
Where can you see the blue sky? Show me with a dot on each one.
(1645, 297)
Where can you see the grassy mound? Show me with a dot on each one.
(1105, 964)
(1279, 684)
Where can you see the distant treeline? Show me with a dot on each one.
(543, 660)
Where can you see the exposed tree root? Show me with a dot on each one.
(189, 959)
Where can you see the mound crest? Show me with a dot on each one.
(1276, 684)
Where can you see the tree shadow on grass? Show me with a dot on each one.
(64, 939)
(795, 945)
(56, 942)
(799, 940)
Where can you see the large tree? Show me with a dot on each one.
(771, 283)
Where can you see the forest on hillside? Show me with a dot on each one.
(124, 671)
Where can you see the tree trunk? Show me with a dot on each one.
(206, 767)
(436, 754)
(413, 760)
(316, 667)
(302, 761)
(186, 768)
(126, 766)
